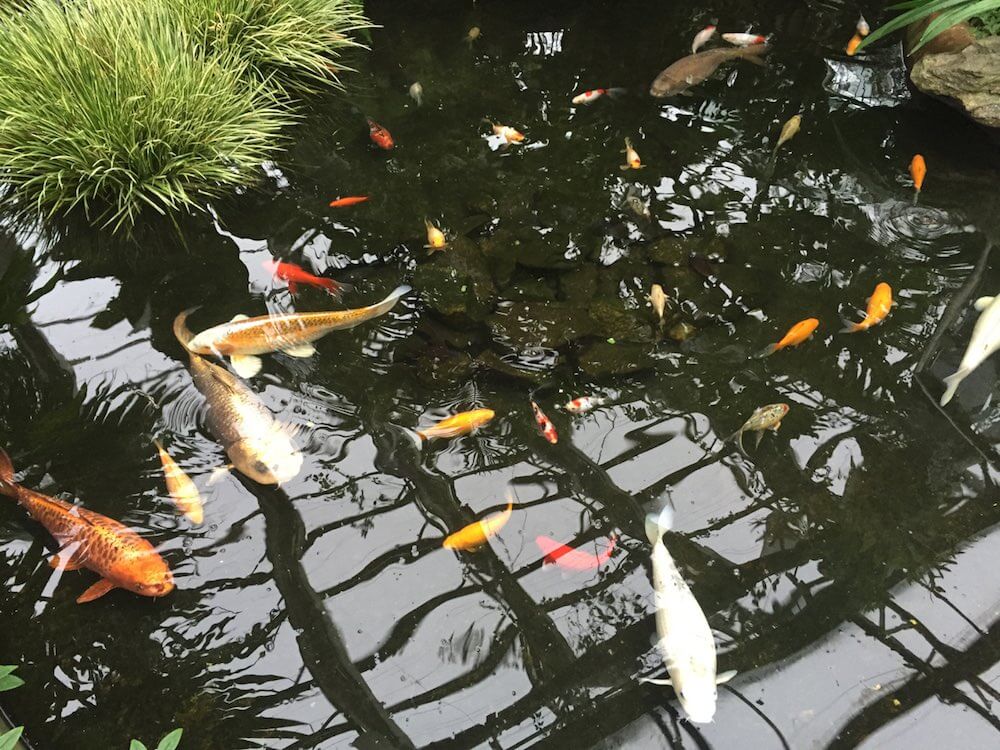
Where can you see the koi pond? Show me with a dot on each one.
(846, 564)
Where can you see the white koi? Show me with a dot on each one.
(684, 638)
(985, 340)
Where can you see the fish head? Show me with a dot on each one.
(696, 692)
(483, 416)
(266, 460)
(145, 573)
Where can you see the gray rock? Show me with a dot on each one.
(970, 79)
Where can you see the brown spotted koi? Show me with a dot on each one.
(242, 338)
(122, 558)
(763, 418)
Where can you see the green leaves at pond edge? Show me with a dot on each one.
(951, 12)
(8, 680)
(170, 742)
(9, 739)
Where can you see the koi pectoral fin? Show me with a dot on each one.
(301, 351)
(65, 561)
(725, 677)
(653, 681)
(96, 591)
(245, 365)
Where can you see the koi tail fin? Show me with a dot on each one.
(753, 54)
(916, 196)
(659, 524)
(952, 381)
(181, 331)
(852, 327)
(6, 474)
(381, 308)
(767, 351)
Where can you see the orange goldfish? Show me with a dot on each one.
(631, 157)
(457, 424)
(181, 488)
(435, 238)
(474, 535)
(350, 200)
(795, 336)
(918, 170)
(89, 540)
(852, 46)
(380, 136)
(879, 305)
(509, 134)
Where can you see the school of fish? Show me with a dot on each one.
(263, 449)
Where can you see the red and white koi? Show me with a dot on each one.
(589, 97)
(744, 40)
(702, 37)
(545, 424)
(583, 404)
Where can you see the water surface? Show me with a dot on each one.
(847, 564)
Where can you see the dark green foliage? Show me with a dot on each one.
(951, 12)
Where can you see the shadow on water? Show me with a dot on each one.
(845, 564)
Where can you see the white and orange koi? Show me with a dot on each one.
(545, 424)
(583, 404)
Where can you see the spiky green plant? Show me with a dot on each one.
(104, 106)
(950, 12)
(296, 42)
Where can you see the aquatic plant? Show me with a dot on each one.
(9, 681)
(105, 107)
(950, 12)
(169, 742)
(295, 43)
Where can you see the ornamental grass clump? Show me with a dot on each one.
(296, 43)
(106, 106)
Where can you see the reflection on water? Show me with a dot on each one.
(846, 565)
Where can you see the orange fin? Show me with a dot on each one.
(96, 591)
(69, 562)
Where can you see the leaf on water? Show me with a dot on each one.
(136, 745)
(9, 739)
(171, 741)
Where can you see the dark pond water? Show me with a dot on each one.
(848, 565)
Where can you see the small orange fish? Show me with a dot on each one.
(475, 534)
(379, 135)
(573, 558)
(435, 238)
(351, 200)
(795, 336)
(852, 46)
(879, 305)
(89, 540)
(181, 488)
(457, 424)
(294, 275)
(918, 170)
(509, 134)
(631, 157)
